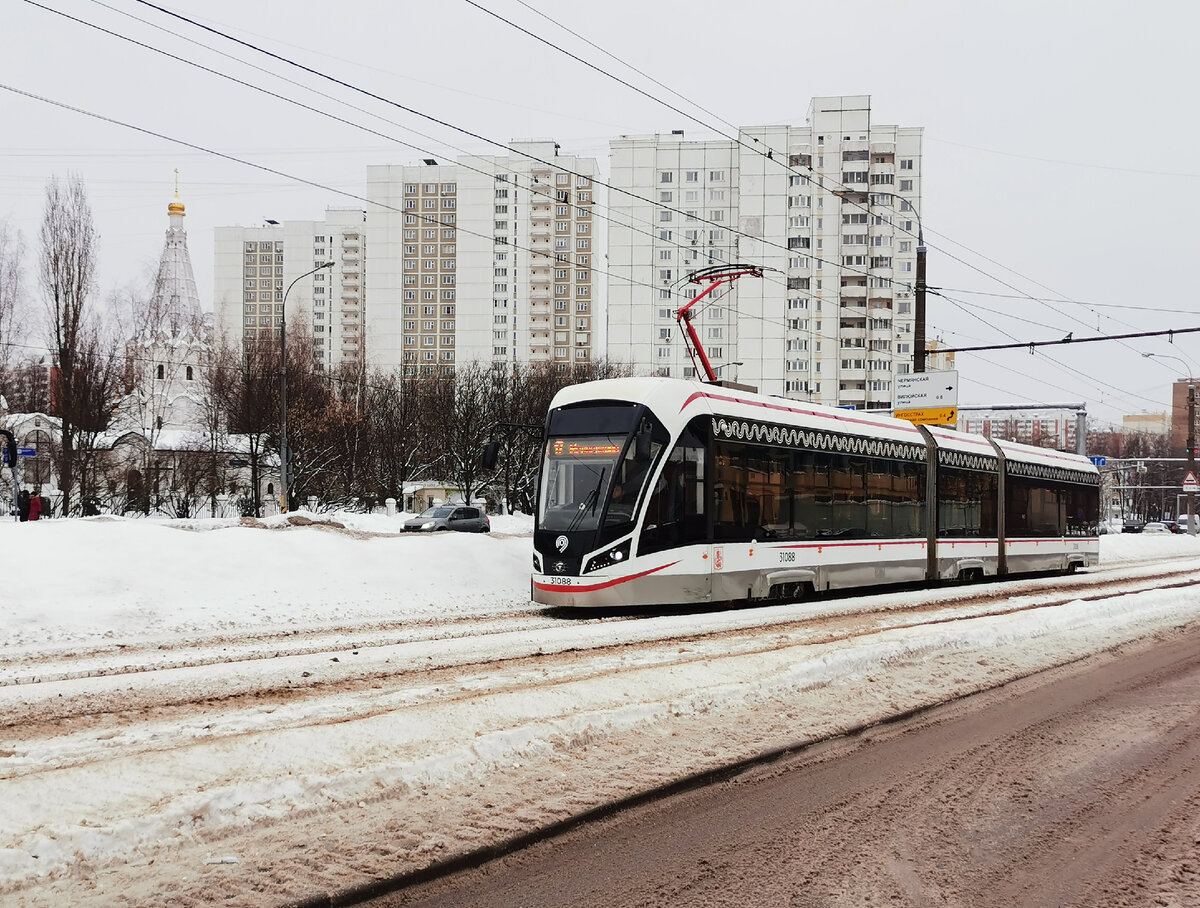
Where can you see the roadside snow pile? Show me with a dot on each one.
(115, 578)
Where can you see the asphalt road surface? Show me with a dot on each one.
(1074, 787)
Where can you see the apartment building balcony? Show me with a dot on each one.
(540, 294)
(540, 247)
(851, 290)
(883, 148)
(852, 375)
(852, 396)
(350, 259)
(852, 333)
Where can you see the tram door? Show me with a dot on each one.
(676, 515)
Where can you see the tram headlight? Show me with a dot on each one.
(608, 557)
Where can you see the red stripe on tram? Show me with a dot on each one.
(552, 587)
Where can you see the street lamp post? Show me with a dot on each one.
(919, 286)
(285, 455)
(1191, 435)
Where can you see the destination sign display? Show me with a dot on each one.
(575, 449)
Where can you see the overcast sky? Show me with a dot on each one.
(1060, 137)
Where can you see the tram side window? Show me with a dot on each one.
(1034, 508)
(810, 493)
(1083, 510)
(769, 493)
(735, 508)
(849, 481)
(966, 503)
(675, 513)
(895, 498)
(748, 481)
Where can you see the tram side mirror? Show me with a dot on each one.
(641, 443)
(491, 453)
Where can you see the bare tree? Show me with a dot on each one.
(66, 273)
(392, 430)
(214, 420)
(96, 390)
(12, 283)
(245, 385)
(461, 413)
(28, 387)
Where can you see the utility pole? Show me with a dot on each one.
(1191, 446)
(919, 314)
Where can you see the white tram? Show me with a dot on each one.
(657, 491)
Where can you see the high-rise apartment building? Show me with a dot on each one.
(830, 208)
(489, 260)
(254, 266)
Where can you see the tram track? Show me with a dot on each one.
(31, 665)
(207, 698)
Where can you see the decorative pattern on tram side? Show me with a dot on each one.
(1054, 474)
(814, 439)
(965, 460)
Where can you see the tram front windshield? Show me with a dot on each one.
(587, 479)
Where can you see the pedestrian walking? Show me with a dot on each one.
(23, 504)
(35, 507)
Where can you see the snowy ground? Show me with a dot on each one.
(202, 710)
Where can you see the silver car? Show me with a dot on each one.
(449, 517)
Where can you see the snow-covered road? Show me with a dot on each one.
(258, 714)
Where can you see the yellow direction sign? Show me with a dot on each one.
(930, 416)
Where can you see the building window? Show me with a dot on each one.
(666, 176)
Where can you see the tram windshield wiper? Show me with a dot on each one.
(588, 503)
